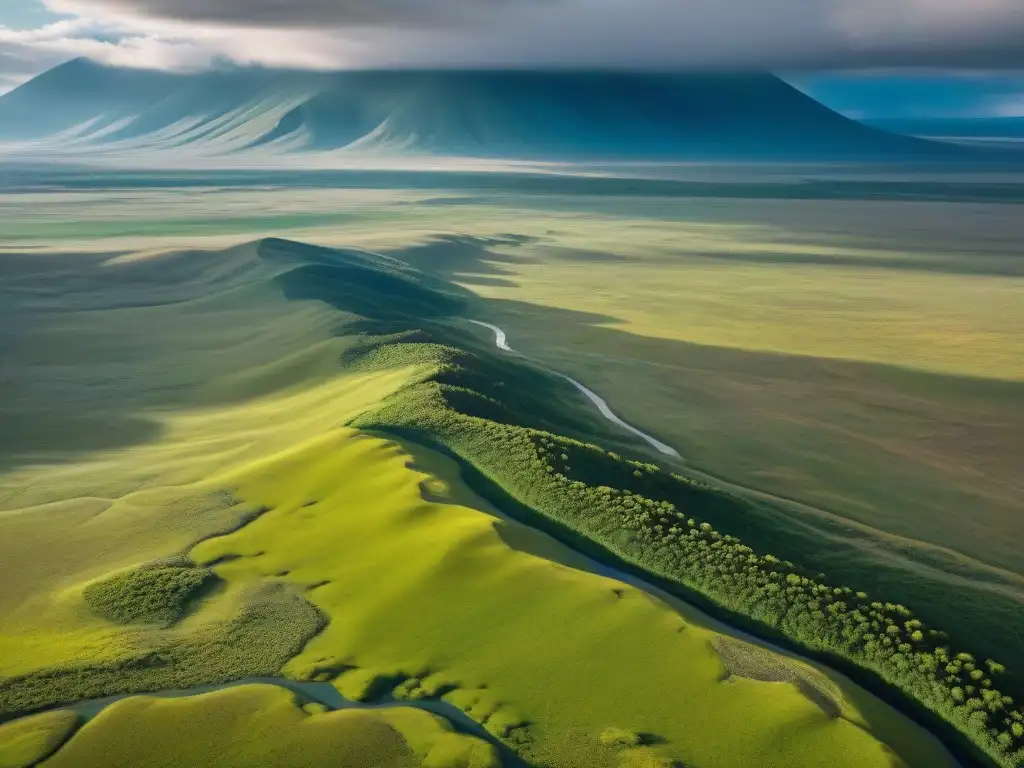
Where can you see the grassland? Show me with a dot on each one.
(267, 726)
(860, 385)
(666, 526)
(113, 416)
(26, 742)
(452, 606)
(855, 358)
(246, 397)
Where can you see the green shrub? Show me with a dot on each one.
(151, 595)
(619, 737)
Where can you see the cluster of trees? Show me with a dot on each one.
(620, 737)
(149, 595)
(650, 519)
(881, 636)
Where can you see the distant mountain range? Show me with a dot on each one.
(83, 107)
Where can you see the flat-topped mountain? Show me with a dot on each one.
(528, 114)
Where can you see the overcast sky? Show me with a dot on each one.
(763, 34)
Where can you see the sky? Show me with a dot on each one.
(928, 41)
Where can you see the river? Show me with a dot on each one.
(501, 341)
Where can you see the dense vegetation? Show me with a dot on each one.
(155, 595)
(270, 628)
(660, 523)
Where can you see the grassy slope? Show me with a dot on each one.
(205, 352)
(433, 592)
(696, 298)
(24, 743)
(268, 430)
(266, 726)
(616, 291)
(884, 459)
(470, 385)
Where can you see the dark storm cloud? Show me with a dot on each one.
(742, 33)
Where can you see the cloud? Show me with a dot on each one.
(301, 13)
(327, 34)
(157, 45)
(24, 52)
(616, 32)
(1009, 107)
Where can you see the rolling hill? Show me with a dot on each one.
(521, 115)
(312, 468)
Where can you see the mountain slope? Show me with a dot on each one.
(566, 115)
(1006, 130)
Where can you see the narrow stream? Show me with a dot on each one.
(501, 341)
(608, 571)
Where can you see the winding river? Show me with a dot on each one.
(501, 341)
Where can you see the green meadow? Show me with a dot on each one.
(268, 726)
(454, 607)
(28, 741)
(409, 578)
(280, 461)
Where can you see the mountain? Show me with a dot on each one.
(545, 115)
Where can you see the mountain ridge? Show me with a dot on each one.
(497, 114)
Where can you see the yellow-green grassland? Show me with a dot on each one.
(267, 726)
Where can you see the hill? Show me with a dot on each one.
(318, 364)
(538, 115)
(284, 386)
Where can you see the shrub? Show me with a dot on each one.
(150, 595)
(619, 737)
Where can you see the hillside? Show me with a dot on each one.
(993, 130)
(538, 115)
(312, 467)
